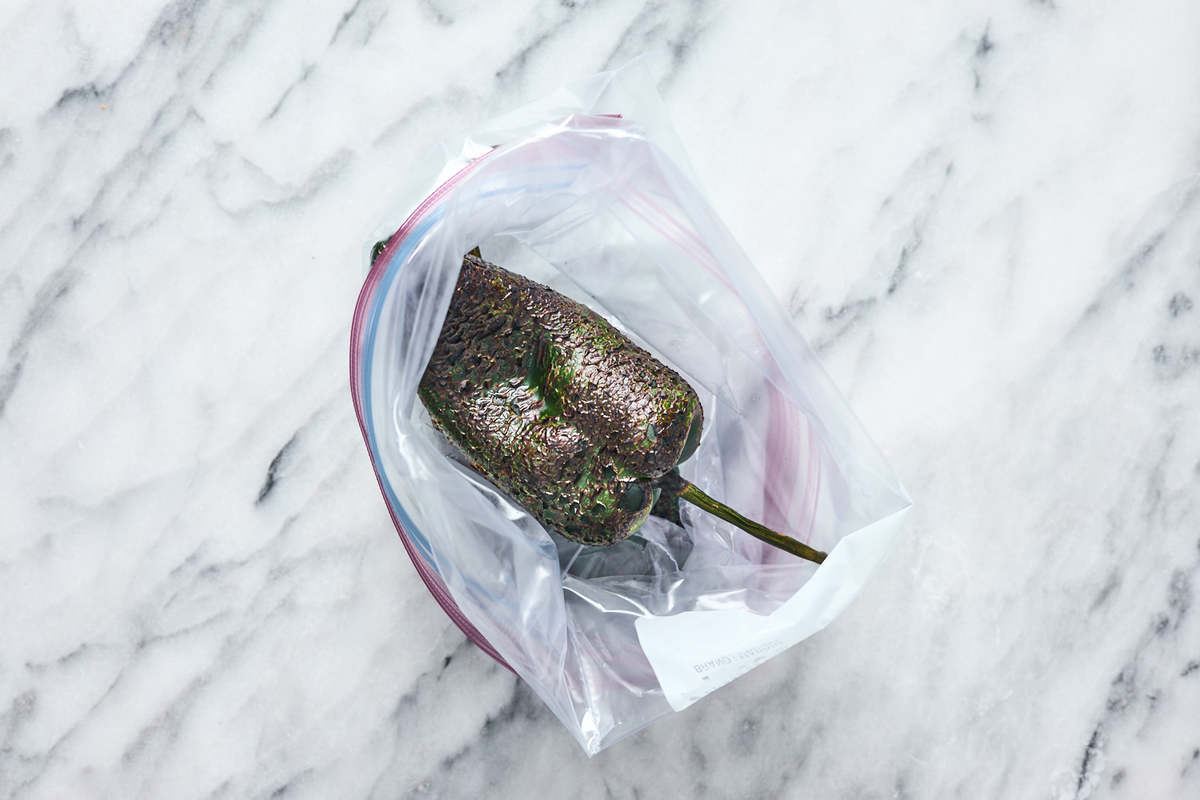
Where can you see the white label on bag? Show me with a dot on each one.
(695, 652)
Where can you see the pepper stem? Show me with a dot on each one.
(698, 498)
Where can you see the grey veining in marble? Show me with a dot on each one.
(984, 215)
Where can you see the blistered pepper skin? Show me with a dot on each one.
(555, 405)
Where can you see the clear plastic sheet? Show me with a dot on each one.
(589, 192)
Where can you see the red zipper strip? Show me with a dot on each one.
(432, 580)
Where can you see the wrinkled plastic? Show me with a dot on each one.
(588, 191)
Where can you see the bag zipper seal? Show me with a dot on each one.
(433, 581)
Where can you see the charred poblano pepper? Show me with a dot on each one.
(558, 408)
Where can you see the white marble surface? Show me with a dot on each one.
(983, 214)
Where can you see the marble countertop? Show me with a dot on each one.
(984, 216)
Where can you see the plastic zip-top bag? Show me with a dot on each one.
(588, 192)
